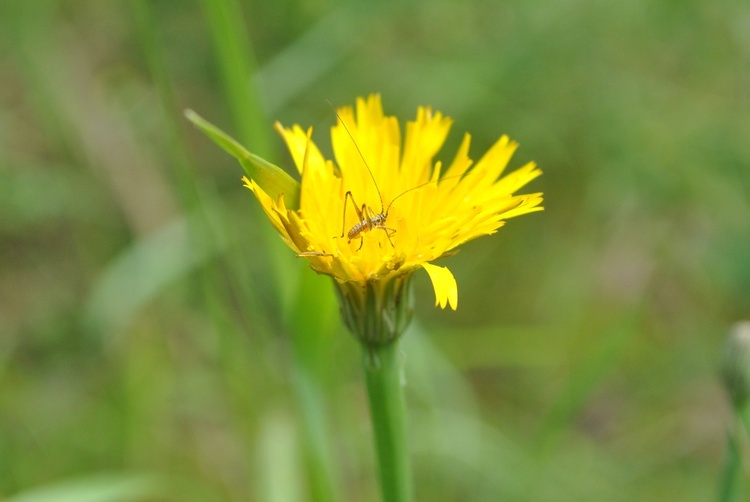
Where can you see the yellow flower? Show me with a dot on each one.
(411, 210)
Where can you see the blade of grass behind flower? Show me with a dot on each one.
(206, 224)
(237, 68)
(317, 51)
(212, 223)
(277, 459)
(312, 329)
(53, 61)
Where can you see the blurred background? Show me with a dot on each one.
(157, 342)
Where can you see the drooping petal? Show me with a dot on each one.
(446, 289)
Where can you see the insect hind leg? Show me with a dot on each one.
(364, 216)
(348, 196)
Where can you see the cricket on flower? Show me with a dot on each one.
(432, 209)
(368, 219)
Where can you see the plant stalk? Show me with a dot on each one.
(388, 413)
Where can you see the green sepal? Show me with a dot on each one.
(376, 312)
(271, 178)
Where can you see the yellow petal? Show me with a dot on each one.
(446, 289)
(267, 203)
(305, 153)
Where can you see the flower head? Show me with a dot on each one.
(384, 208)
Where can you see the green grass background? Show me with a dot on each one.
(152, 326)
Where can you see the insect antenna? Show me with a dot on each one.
(418, 186)
(380, 195)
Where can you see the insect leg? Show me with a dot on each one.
(306, 254)
(365, 215)
(356, 208)
(388, 233)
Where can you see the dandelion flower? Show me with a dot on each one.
(384, 208)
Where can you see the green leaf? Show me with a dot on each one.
(272, 179)
(96, 488)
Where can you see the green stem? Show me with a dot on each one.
(743, 419)
(731, 485)
(388, 412)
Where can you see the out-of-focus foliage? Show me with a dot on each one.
(139, 311)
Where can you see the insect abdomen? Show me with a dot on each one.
(358, 229)
(366, 225)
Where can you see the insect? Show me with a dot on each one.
(369, 220)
